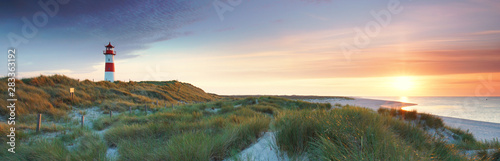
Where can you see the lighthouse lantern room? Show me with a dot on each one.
(109, 71)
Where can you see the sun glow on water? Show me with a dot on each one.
(404, 99)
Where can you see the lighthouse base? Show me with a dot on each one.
(109, 76)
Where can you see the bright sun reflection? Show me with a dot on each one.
(403, 83)
(407, 108)
(404, 99)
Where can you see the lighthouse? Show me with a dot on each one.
(109, 71)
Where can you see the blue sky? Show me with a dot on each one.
(265, 47)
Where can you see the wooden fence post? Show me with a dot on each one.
(39, 124)
(83, 118)
(110, 113)
(130, 109)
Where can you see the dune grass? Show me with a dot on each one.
(89, 147)
(50, 95)
(353, 133)
(204, 131)
(186, 133)
(221, 129)
(216, 129)
(424, 119)
(464, 140)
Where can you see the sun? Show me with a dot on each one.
(403, 83)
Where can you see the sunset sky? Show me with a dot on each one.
(424, 47)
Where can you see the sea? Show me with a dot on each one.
(485, 109)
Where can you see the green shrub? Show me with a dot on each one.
(197, 115)
(464, 136)
(90, 147)
(103, 122)
(431, 120)
(263, 108)
(410, 115)
(191, 146)
(496, 155)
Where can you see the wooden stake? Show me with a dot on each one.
(83, 118)
(39, 124)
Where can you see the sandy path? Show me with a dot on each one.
(263, 149)
(92, 114)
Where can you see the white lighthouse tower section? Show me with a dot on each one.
(109, 71)
(109, 75)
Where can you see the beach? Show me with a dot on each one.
(481, 130)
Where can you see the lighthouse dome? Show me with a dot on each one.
(109, 49)
(109, 45)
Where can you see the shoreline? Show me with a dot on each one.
(480, 129)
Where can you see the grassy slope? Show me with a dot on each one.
(186, 132)
(198, 132)
(50, 94)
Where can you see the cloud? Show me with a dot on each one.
(487, 32)
(81, 28)
(132, 23)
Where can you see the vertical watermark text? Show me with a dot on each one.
(11, 100)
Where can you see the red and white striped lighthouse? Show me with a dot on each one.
(109, 71)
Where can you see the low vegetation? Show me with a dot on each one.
(209, 127)
(50, 95)
(353, 133)
(463, 140)
(204, 131)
